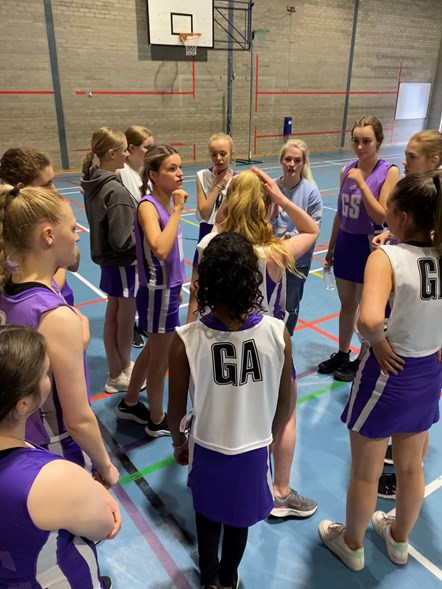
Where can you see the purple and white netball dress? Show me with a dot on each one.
(233, 373)
(31, 558)
(160, 280)
(356, 228)
(381, 405)
(24, 304)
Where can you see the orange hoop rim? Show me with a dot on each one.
(189, 36)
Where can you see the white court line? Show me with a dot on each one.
(329, 208)
(83, 228)
(99, 292)
(421, 559)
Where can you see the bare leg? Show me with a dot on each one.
(138, 376)
(408, 450)
(367, 457)
(158, 345)
(348, 295)
(284, 450)
(125, 326)
(110, 330)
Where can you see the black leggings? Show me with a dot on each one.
(234, 544)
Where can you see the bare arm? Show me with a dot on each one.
(376, 208)
(65, 496)
(378, 284)
(64, 338)
(206, 202)
(285, 389)
(179, 376)
(192, 309)
(161, 242)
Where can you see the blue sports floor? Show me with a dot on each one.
(156, 547)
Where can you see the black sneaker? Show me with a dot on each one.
(387, 486)
(137, 340)
(139, 412)
(156, 430)
(107, 582)
(347, 373)
(389, 455)
(335, 362)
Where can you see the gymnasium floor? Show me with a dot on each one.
(156, 547)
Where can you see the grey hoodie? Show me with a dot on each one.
(110, 210)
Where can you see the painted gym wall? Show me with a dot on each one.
(107, 75)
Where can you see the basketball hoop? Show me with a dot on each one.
(190, 42)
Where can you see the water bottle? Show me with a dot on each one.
(329, 277)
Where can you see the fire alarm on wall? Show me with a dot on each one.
(291, 8)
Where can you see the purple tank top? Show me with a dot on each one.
(29, 557)
(46, 426)
(352, 213)
(152, 271)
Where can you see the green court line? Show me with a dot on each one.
(152, 468)
(315, 394)
(170, 460)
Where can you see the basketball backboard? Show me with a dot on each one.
(168, 18)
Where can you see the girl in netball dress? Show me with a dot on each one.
(211, 186)
(236, 363)
(39, 233)
(250, 198)
(365, 185)
(396, 391)
(161, 274)
(139, 139)
(52, 511)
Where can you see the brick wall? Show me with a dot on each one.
(102, 47)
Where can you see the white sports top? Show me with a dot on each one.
(234, 373)
(207, 180)
(414, 327)
(132, 181)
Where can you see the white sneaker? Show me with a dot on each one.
(128, 371)
(332, 536)
(118, 384)
(397, 551)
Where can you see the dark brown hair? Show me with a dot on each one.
(22, 358)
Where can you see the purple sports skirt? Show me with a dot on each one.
(380, 405)
(350, 256)
(119, 281)
(205, 229)
(158, 309)
(235, 490)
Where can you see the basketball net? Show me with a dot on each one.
(190, 42)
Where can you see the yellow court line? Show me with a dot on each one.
(190, 222)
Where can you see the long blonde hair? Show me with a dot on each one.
(246, 213)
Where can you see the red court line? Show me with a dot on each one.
(328, 335)
(134, 93)
(98, 396)
(90, 302)
(73, 202)
(27, 92)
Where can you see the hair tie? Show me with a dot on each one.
(14, 192)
